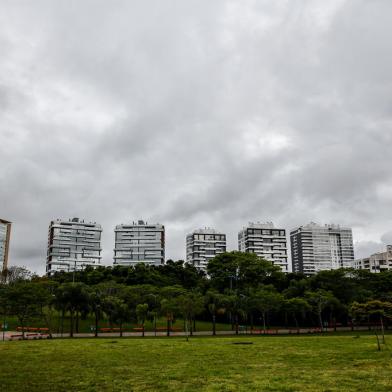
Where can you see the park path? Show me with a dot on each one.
(282, 331)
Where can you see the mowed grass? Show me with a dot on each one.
(292, 363)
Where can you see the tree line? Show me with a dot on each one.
(238, 289)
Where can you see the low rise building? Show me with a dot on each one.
(377, 262)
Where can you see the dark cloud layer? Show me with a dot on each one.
(194, 114)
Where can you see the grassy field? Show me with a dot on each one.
(294, 363)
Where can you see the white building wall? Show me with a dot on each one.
(203, 245)
(73, 245)
(139, 242)
(265, 240)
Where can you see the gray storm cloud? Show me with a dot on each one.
(195, 114)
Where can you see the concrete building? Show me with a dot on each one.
(266, 241)
(317, 248)
(5, 234)
(73, 245)
(139, 242)
(377, 262)
(203, 245)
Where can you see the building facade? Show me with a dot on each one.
(5, 234)
(265, 240)
(73, 245)
(317, 248)
(203, 245)
(377, 262)
(139, 242)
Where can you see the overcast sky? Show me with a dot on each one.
(193, 114)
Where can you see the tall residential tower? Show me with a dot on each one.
(5, 233)
(266, 241)
(73, 245)
(203, 245)
(317, 248)
(139, 242)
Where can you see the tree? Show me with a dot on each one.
(296, 306)
(142, 314)
(237, 307)
(117, 311)
(72, 297)
(190, 304)
(169, 304)
(23, 299)
(320, 300)
(216, 304)
(16, 274)
(95, 300)
(372, 308)
(239, 271)
(265, 300)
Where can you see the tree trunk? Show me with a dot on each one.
(121, 330)
(62, 322)
(143, 330)
(285, 319)
(71, 329)
(21, 320)
(96, 324)
(320, 320)
(295, 320)
(382, 330)
(251, 323)
(186, 329)
(168, 327)
(236, 324)
(77, 322)
(213, 324)
(194, 324)
(263, 315)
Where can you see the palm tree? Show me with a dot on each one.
(217, 304)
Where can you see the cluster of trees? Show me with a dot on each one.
(240, 288)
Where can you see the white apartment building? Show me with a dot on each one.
(377, 262)
(265, 240)
(5, 233)
(203, 245)
(73, 245)
(139, 242)
(317, 248)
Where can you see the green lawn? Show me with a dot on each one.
(293, 363)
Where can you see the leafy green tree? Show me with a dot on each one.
(296, 307)
(239, 271)
(96, 297)
(320, 300)
(237, 307)
(265, 300)
(169, 304)
(190, 304)
(372, 309)
(72, 297)
(142, 314)
(24, 300)
(217, 304)
(117, 311)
